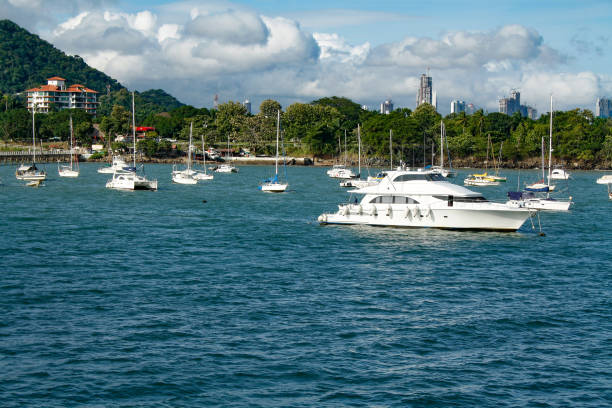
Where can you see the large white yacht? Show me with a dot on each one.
(408, 198)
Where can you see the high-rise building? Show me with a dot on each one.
(386, 107)
(247, 105)
(57, 95)
(425, 92)
(457, 106)
(470, 109)
(603, 108)
(532, 113)
(511, 105)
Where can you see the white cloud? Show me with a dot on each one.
(334, 47)
(229, 27)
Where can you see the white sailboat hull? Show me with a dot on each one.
(606, 179)
(497, 217)
(68, 172)
(545, 204)
(480, 183)
(203, 176)
(180, 177)
(274, 187)
(32, 176)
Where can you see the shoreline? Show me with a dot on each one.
(465, 163)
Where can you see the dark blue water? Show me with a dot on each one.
(114, 298)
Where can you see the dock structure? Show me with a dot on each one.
(42, 156)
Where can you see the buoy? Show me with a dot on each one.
(204, 201)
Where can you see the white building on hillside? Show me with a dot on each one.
(56, 94)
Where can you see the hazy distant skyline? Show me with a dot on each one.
(367, 51)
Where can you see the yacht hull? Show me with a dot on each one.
(497, 218)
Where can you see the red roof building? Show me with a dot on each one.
(56, 94)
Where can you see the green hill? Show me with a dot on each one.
(27, 61)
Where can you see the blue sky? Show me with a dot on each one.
(297, 51)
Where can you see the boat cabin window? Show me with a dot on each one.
(413, 177)
(388, 199)
(477, 199)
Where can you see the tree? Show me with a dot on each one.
(269, 107)
(118, 123)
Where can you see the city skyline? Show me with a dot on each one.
(295, 52)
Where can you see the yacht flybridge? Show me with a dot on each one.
(408, 198)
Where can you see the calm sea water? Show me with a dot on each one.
(160, 299)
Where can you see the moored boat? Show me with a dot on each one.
(408, 198)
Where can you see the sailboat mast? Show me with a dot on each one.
(277, 137)
(203, 155)
(33, 135)
(134, 130)
(71, 142)
(442, 131)
(359, 148)
(550, 142)
(391, 148)
(345, 151)
(543, 166)
(189, 153)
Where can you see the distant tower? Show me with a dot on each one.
(425, 93)
(457, 106)
(247, 106)
(603, 108)
(386, 107)
(216, 101)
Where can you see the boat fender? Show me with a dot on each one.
(414, 211)
(359, 209)
(408, 213)
(374, 211)
(389, 210)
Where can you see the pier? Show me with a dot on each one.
(42, 156)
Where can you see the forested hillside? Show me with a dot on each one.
(26, 61)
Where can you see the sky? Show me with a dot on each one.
(299, 51)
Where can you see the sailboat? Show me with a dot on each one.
(484, 179)
(541, 186)
(30, 172)
(199, 175)
(359, 182)
(70, 170)
(128, 178)
(116, 162)
(449, 173)
(185, 176)
(529, 199)
(496, 165)
(273, 185)
(227, 167)
(341, 171)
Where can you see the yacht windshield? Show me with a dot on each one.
(413, 177)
